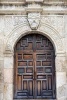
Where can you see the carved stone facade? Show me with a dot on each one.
(15, 22)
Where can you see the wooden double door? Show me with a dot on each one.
(34, 70)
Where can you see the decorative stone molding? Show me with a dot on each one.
(34, 0)
(34, 20)
(44, 29)
(8, 51)
(34, 15)
(53, 35)
(32, 7)
(20, 20)
(50, 2)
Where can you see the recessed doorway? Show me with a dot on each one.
(34, 68)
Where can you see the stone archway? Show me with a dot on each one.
(15, 35)
(45, 29)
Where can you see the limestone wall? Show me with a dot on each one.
(12, 28)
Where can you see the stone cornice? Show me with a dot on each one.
(43, 2)
(25, 10)
(24, 7)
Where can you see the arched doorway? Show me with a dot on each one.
(34, 68)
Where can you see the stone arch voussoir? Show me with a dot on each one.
(44, 29)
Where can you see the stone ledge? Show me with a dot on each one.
(50, 2)
(34, 99)
(8, 53)
(14, 3)
(34, 0)
(22, 11)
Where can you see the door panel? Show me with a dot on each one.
(44, 74)
(34, 68)
(24, 76)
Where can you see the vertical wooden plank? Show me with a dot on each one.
(19, 81)
(22, 83)
(30, 84)
(34, 43)
(38, 88)
(44, 85)
(25, 85)
(49, 82)
(34, 75)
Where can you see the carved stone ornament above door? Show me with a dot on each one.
(33, 20)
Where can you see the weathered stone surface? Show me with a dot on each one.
(1, 75)
(8, 91)
(51, 29)
(62, 98)
(1, 46)
(8, 61)
(13, 27)
(61, 91)
(1, 96)
(8, 75)
(1, 71)
(60, 79)
(34, 0)
(34, 20)
(55, 21)
(1, 87)
(1, 63)
(61, 64)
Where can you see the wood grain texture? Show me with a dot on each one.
(34, 74)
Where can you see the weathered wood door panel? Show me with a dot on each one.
(34, 73)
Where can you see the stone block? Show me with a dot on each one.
(1, 96)
(60, 63)
(34, 0)
(1, 46)
(1, 87)
(1, 70)
(1, 63)
(8, 62)
(62, 98)
(60, 79)
(61, 92)
(8, 91)
(8, 75)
